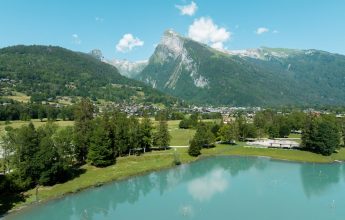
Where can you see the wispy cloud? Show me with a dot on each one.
(275, 32)
(128, 42)
(187, 9)
(205, 31)
(76, 39)
(261, 30)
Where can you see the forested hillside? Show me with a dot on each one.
(45, 72)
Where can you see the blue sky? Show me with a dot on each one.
(83, 25)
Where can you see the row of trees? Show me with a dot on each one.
(320, 134)
(37, 156)
(11, 110)
(49, 154)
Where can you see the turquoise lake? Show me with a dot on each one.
(238, 188)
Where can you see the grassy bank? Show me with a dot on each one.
(125, 167)
(136, 165)
(280, 154)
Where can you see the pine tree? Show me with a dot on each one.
(162, 135)
(101, 152)
(133, 134)
(27, 146)
(203, 138)
(63, 141)
(146, 134)
(83, 117)
(120, 127)
(194, 148)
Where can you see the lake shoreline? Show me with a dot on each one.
(186, 159)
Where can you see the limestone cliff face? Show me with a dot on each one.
(171, 49)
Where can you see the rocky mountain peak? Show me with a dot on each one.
(173, 42)
(97, 53)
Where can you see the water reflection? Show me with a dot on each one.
(318, 178)
(236, 165)
(103, 202)
(204, 188)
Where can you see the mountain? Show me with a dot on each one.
(97, 53)
(45, 72)
(264, 76)
(128, 68)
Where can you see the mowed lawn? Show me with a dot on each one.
(179, 137)
(281, 154)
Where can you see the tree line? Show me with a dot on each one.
(48, 155)
(12, 110)
(322, 134)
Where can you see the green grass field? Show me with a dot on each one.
(20, 97)
(37, 123)
(179, 137)
(295, 136)
(281, 154)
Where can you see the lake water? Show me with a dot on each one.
(238, 188)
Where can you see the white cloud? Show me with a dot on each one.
(261, 30)
(275, 32)
(76, 39)
(128, 42)
(205, 31)
(187, 9)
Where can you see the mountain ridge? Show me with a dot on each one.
(265, 76)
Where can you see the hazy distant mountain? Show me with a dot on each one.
(128, 68)
(264, 76)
